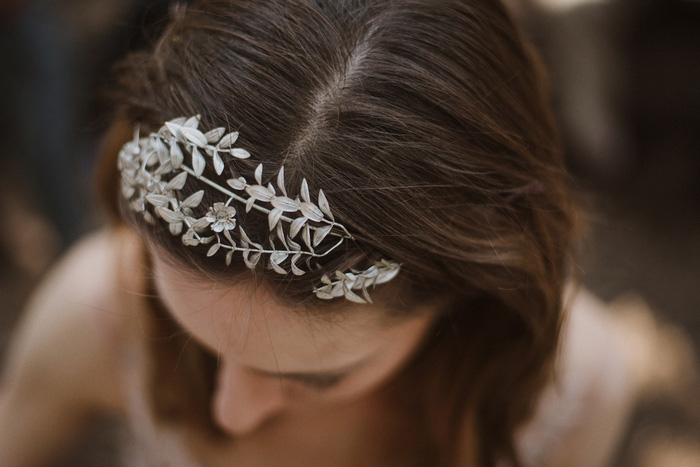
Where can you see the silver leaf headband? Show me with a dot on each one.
(154, 170)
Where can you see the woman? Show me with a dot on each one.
(348, 238)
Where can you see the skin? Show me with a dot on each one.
(278, 381)
(275, 361)
(54, 383)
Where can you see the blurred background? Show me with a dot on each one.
(625, 79)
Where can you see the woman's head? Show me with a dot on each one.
(426, 126)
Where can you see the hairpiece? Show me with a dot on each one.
(154, 170)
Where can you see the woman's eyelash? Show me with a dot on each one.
(323, 382)
(318, 382)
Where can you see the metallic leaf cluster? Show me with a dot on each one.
(154, 170)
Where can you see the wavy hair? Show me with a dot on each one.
(428, 127)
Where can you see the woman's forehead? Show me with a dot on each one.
(246, 322)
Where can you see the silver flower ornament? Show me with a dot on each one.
(221, 217)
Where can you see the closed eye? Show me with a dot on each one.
(319, 381)
(322, 381)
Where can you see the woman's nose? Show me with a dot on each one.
(244, 400)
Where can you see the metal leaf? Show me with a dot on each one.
(237, 183)
(229, 257)
(352, 296)
(249, 204)
(139, 205)
(258, 174)
(323, 204)
(163, 169)
(367, 282)
(294, 246)
(322, 294)
(240, 153)
(214, 248)
(214, 135)
(161, 151)
(158, 200)
(280, 181)
(295, 269)
(251, 260)
(176, 156)
(359, 283)
(260, 193)
(175, 229)
(192, 122)
(194, 136)
(311, 211)
(337, 289)
(175, 130)
(279, 231)
(306, 236)
(278, 256)
(273, 218)
(296, 226)
(198, 162)
(177, 182)
(227, 234)
(365, 294)
(277, 268)
(170, 216)
(128, 191)
(189, 239)
(178, 121)
(200, 224)
(340, 275)
(285, 204)
(321, 233)
(193, 200)
(305, 191)
(228, 140)
(244, 236)
(388, 273)
(150, 157)
(370, 273)
(128, 179)
(218, 164)
(246, 259)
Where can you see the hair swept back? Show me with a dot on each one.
(427, 125)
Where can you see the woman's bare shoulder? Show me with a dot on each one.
(612, 355)
(73, 327)
(63, 363)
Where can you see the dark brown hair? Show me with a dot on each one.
(427, 125)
